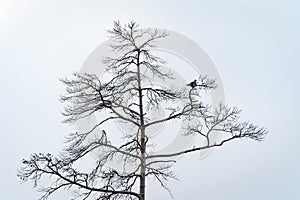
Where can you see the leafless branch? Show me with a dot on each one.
(127, 97)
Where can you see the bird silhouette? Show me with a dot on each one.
(104, 137)
(193, 83)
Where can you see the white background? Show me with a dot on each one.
(255, 46)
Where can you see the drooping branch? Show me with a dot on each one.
(66, 177)
(87, 95)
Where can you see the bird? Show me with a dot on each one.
(193, 83)
(104, 137)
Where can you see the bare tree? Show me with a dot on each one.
(128, 96)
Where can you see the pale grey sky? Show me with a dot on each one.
(254, 44)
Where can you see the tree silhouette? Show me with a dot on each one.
(128, 97)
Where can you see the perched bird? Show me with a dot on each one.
(193, 83)
(104, 137)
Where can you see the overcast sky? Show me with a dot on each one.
(254, 44)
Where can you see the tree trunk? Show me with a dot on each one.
(143, 165)
(143, 135)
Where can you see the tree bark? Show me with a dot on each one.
(142, 131)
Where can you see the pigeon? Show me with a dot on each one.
(193, 83)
